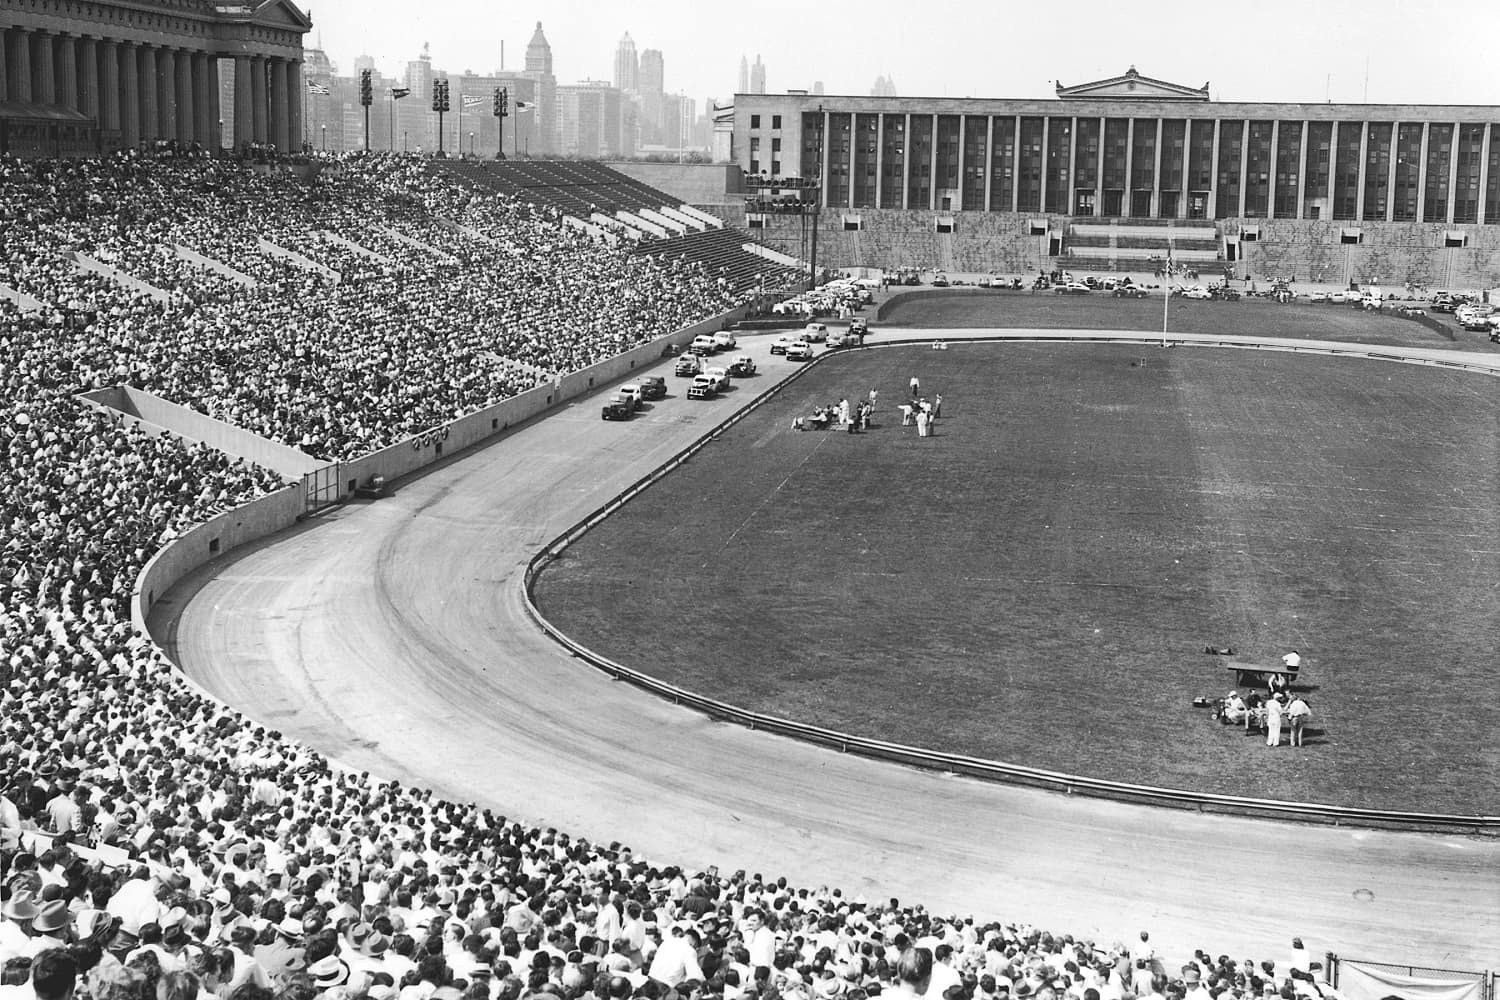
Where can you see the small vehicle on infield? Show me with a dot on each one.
(742, 366)
(1128, 292)
(799, 350)
(687, 366)
(704, 387)
(1072, 288)
(653, 387)
(617, 408)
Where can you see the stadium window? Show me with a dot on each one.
(776, 121)
(755, 121)
(1455, 240)
(775, 145)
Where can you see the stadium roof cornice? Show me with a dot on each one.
(1130, 85)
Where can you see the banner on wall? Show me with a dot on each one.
(1358, 981)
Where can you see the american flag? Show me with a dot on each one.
(472, 101)
(524, 106)
(316, 88)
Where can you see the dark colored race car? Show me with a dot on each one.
(618, 408)
(653, 387)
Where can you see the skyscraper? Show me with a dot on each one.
(744, 87)
(758, 76)
(653, 80)
(884, 86)
(539, 68)
(627, 67)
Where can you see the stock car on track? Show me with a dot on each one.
(687, 366)
(617, 408)
(781, 343)
(653, 387)
(742, 366)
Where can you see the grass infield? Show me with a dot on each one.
(1037, 582)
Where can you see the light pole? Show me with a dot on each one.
(325, 138)
(471, 144)
(403, 140)
(220, 151)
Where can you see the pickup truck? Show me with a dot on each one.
(704, 386)
(617, 408)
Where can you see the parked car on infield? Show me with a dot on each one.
(1128, 292)
(1072, 288)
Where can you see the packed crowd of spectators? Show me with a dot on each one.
(156, 845)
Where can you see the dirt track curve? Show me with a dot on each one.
(392, 635)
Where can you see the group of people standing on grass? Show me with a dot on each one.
(1272, 712)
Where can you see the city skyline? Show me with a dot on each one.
(1335, 50)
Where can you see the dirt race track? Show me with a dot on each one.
(392, 635)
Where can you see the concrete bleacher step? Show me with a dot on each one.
(640, 225)
(670, 225)
(210, 264)
(1160, 233)
(708, 220)
(306, 263)
(84, 262)
(774, 256)
(23, 302)
(350, 245)
(412, 241)
(597, 232)
(687, 221)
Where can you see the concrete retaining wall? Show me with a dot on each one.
(194, 426)
(209, 541)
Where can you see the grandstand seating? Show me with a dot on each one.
(722, 255)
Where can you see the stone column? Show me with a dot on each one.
(1070, 201)
(1156, 190)
(244, 101)
(1364, 152)
(1244, 165)
(1099, 173)
(906, 165)
(4, 64)
(1213, 174)
(1128, 209)
(879, 157)
(1302, 172)
(67, 76)
(18, 66)
(932, 145)
(109, 85)
(1185, 193)
(1484, 174)
(1452, 199)
(259, 100)
(44, 70)
(1422, 174)
(1271, 174)
(150, 108)
(276, 124)
(166, 92)
(1393, 161)
(88, 78)
(1015, 163)
(297, 93)
(205, 94)
(187, 120)
(989, 160)
(130, 95)
(1046, 150)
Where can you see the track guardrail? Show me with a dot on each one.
(1069, 784)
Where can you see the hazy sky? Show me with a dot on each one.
(1410, 52)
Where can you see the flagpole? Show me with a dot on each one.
(1167, 297)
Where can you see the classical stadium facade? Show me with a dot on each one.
(1111, 174)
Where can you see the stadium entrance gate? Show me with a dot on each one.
(320, 488)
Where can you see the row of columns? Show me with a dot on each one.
(149, 92)
(1181, 208)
